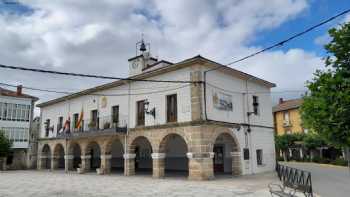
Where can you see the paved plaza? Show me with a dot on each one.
(48, 184)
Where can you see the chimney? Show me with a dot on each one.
(19, 90)
(281, 101)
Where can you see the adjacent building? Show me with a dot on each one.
(16, 115)
(205, 124)
(287, 117)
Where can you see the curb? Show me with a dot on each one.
(319, 164)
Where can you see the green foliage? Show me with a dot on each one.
(5, 145)
(340, 162)
(283, 142)
(313, 140)
(326, 109)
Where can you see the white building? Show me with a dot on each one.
(16, 115)
(209, 123)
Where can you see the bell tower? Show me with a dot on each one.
(142, 60)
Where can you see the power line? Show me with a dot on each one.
(256, 92)
(91, 76)
(70, 93)
(153, 92)
(281, 43)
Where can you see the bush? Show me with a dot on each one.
(340, 162)
(316, 159)
(279, 158)
(5, 145)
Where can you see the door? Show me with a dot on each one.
(218, 159)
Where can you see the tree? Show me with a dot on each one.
(286, 141)
(313, 140)
(326, 108)
(5, 145)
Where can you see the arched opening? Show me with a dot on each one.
(76, 153)
(94, 151)
(224, 146)
(176, 162)
(117, 159)
(59, 157)
(46, 157)
(143, 160)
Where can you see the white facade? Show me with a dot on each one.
(15, 119)
(227, 97)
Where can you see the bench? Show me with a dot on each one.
(293, 180)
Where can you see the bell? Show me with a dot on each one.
(143, 46)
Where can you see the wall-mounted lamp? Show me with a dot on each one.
(150, 111)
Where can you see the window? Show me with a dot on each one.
(286, 116)
(259, 157)
(246, 154)
(47, 127)
(60, 123)
(94, 119)
(171, 108)
(115, 115)
(75, 120)
(256, 105)
(140, 113)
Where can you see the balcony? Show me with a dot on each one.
(100, 126)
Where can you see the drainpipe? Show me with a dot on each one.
(247, 113)
(128, 124)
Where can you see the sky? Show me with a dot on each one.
(97, 37)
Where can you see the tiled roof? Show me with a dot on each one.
(6, 92)
(288, 104)
(167, 68)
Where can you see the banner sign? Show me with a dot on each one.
(222, 101)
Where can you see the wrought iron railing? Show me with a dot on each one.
(101, 124)
(295, 178)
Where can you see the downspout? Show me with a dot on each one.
(248, 122)
(128, 124)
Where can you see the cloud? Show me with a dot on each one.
(99, 36)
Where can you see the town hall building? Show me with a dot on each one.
(195, 118)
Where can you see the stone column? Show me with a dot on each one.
(129, 164)
(41, 162)
(106, 164)
(54, 162)
(68, 162)
(85, 163)
(236, 163)
(200, 166)
(196, 95)
(158, 164)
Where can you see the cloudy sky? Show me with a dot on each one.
(97, 37)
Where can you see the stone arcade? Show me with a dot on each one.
(199, 129)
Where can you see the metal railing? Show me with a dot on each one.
(295, 178)
(100, 124)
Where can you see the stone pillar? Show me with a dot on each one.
(200, 166)
(106, 164)
(129, 164)
(158, 165)
(68, 162)
(85, 163)
(236, 163)
(196, 95)
(54, 162)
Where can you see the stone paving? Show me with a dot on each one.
(57, 183)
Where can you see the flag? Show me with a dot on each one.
(66, 128)
(80, 120)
